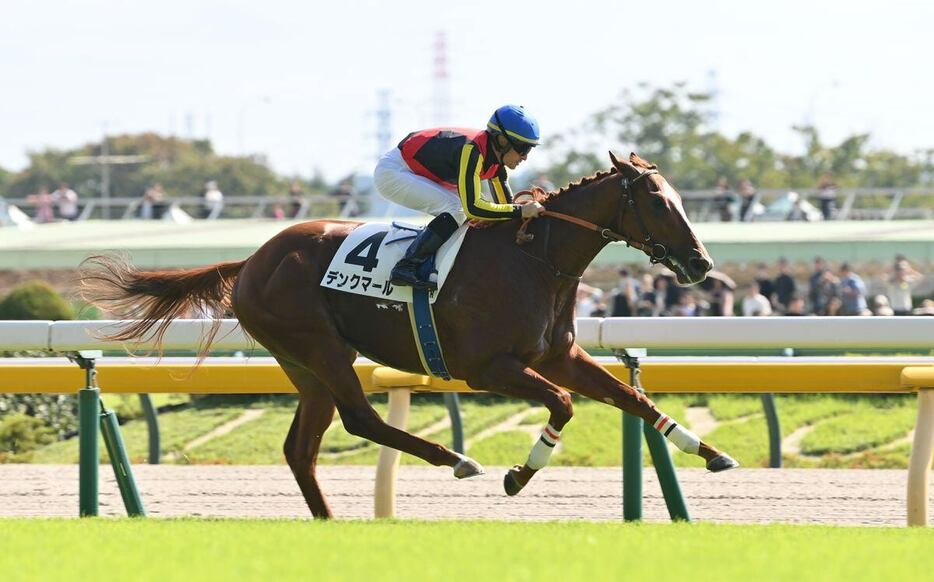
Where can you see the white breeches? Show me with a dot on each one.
(396, 182)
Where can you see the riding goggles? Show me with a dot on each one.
(521, 148)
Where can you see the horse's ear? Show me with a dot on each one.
(623, 166)
(640, 163)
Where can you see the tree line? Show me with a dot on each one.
(672, 127)
(182, 166)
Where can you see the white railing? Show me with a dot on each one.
(837, 333)
(701, 205)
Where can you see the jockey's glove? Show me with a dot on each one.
(532, 210)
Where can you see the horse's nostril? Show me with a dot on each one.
(700, 264)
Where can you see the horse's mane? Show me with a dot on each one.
(633, 159)
(579, 184)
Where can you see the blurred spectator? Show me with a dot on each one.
(785, 286)
(725, 200)
(813, 282)
(795, 306)
(153, 205)
(766, 287)
(881, 306)
(43, 202)
(721, 299)
(827, 193)
(900, 286)
(668, 291)
(278, 213)
(826, 298)
(747, 194)
(926, 308)
(296, 198)
(67, 200)
(212, 200)
(797, 212)
(754, 303)
(686, 307)
(625, 295)
(589, 301)
(852, 292)
(344, 195)
(648, 305)
(833, 306)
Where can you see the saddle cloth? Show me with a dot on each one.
(363, 262)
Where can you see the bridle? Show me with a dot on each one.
(656, 251)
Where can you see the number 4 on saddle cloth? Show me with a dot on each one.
(363, 264)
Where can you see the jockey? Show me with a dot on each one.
(438, 171)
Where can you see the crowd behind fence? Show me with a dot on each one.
(775, 290)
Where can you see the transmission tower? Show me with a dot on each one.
(383, 122)
(713, 107)
(441, 90)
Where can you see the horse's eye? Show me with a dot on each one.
(659, 203)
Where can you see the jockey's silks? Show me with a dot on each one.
(459, 159)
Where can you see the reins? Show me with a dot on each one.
(657, 251)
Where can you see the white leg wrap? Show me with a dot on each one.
(543, 448)
(684, 439)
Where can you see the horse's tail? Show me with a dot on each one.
(152, 299)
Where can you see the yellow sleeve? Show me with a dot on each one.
(468, 186)
(500, 187)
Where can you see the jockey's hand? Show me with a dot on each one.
(532, 210)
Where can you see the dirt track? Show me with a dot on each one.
(842, 497)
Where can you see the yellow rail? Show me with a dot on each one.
(658, 377)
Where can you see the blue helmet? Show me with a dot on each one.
(516, 125)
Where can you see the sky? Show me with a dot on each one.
(298, 82)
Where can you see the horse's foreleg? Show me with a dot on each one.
(508, 376)
(582, 374)
(312, 418)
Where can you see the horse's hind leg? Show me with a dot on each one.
(361, 420)
(507, 375)
(330, 361)
(312, 418)
(582, 374)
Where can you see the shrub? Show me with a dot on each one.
(35, 300)
(59, 412)
(30, 420)
(21, 434)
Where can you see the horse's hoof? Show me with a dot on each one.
(721, 462)
(511, 484)
(467, 467)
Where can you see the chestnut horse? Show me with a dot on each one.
(505, 316)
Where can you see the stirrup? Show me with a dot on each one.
(409, 278)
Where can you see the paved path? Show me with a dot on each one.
(825, 496)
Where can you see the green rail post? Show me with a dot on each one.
(632, 450)
(667, 477)
(123, 472)
(632, 467)
(88, 454)
(152, 423)
(633, 430)
(453, 402)
(775, 430)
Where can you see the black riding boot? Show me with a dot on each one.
(422, 248)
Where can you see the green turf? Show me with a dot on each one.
(847, 431)
(725, 407)
(206, 550)
(865, 428)
(177, 429)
